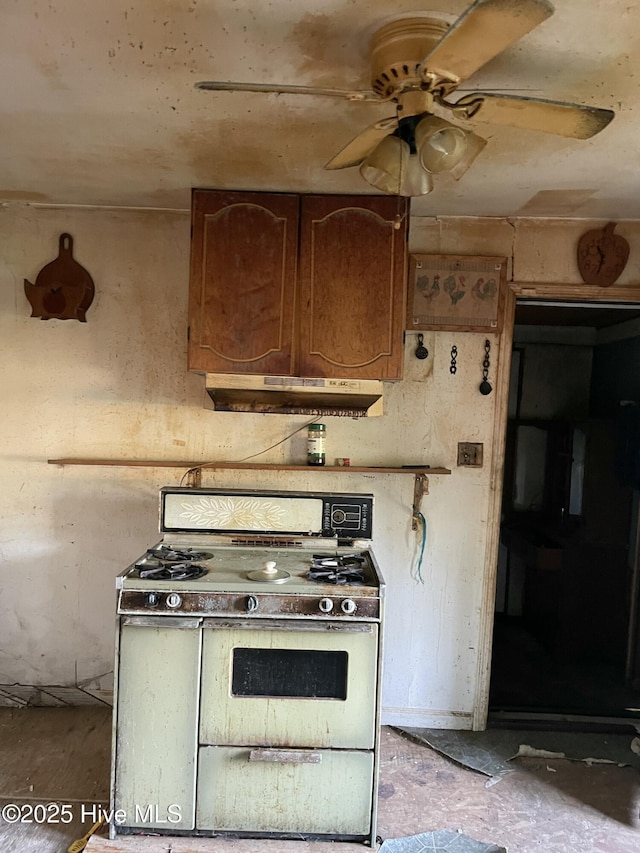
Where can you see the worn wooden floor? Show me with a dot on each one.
(61, 755)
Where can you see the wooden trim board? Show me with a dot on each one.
(580, 292)
(487, 614)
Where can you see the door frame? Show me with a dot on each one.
(529, 290)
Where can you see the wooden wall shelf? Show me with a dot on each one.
(248, 466)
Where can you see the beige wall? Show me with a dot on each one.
(117, 387)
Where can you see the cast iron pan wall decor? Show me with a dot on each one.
(64, 290)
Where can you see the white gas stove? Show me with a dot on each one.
(248, 660)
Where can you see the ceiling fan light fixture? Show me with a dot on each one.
(384, 167)
(474, 145)
(445, 147)
(439, 144)
(415, 181)
(392, 169)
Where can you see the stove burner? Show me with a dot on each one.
(171, 572)
(346, 568)
(172, 564)
(175, 555)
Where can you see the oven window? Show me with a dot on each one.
(293, 673)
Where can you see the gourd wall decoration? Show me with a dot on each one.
(602, 255)
(64, 290)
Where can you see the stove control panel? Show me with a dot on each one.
(345, 516)
(256, 606)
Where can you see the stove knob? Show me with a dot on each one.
(174, 600)
(326, 605)
(251, 604)
(348, 606)
(153, 599)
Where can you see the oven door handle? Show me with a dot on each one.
(286, 756)
(301, 624)
(161, 621)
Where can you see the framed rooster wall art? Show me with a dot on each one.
(456, 292)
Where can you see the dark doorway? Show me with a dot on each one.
(565, 635)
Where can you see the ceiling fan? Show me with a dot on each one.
(417, 62)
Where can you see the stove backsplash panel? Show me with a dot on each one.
(312, 514)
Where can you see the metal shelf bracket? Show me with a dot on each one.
(420, 489)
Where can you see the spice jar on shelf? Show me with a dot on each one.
(316, 444)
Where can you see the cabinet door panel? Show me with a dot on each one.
(157, 725)
(353, 286)
(243, 273)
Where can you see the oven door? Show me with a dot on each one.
(289, 683)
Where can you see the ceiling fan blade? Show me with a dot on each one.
(355, 152)
(275, 89)
(563, 119)
(486, 29)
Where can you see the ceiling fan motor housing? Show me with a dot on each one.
(398, 50)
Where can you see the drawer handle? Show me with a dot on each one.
(284, 756)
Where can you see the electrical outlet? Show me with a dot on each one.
(470, 454)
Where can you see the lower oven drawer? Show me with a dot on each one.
(298, 791)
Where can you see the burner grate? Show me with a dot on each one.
(167, 554)
(172, 572)
(172, 564)
(347, 568)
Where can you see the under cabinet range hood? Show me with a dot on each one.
(292, 395)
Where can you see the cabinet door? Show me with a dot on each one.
(352, 286)
(157, 722)
(243, 274)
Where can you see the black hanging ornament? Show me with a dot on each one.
(421, 351)
(454, 356)
(485, 386)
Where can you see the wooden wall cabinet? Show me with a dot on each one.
(297, 285)
(243, 282)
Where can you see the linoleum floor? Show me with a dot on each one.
(62, 755)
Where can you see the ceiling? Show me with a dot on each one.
(98, 105)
